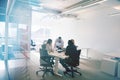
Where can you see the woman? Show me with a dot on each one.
(49, 50)
(49, 45)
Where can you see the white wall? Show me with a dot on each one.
(96, 30)
(100, 32)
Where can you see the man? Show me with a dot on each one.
(59, 43)
(71, 50)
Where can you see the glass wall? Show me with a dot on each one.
(18, 40)
(15, 41)
(2, 39)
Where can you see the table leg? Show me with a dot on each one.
(56, 67)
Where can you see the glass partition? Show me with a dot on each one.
(17, 40)
(2, 39)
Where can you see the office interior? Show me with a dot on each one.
(93, 24)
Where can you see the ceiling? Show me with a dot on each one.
(63, 6)
(70, 6)
(67, 8)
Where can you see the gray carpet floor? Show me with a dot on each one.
(89, 68)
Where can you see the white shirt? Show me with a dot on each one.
(59, 44)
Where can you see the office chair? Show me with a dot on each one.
(46, 63)
(73, 64)
(33, 45)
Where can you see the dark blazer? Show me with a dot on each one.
(71, 50)
(73, 58)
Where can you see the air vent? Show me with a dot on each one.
(83, 3)
(68, 15)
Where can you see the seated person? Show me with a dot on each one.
(59, 43)
(47, 47)
(70, 51)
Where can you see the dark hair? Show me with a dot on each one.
(49, 41)
(59, 37)
(70, 42)
(73, 41)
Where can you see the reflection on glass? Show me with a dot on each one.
(2, 39)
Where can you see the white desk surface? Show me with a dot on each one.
(59, 55)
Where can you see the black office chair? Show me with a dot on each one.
(73, 64)
(32, 45)
(46, 63)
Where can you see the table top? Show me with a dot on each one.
(59, 55)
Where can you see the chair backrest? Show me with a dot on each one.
(32, 43)
(43, 57)
(43, 52)
(74, 61)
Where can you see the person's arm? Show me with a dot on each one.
(67, 51)
(49, 48)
